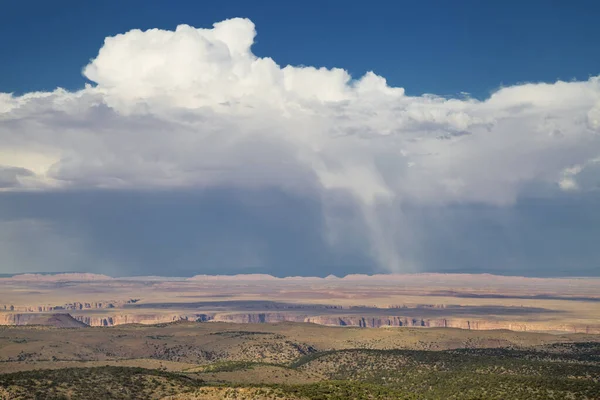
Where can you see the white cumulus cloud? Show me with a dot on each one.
(196, 108)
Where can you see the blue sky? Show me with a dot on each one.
(300, 138)
(441, 47)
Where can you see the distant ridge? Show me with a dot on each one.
(11, 274)
(69, 276)
(57, 320)
(427, 277)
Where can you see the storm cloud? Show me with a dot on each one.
(189, 154)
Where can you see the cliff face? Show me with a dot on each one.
(395, 321)
(57, 320)
(121, 319)
(17, 319)
(379, 322)
(331, 320)
(258, 318)
(76, 305)
(40, 308)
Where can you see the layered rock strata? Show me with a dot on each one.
(330, 320)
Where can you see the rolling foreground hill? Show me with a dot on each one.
(190, 360)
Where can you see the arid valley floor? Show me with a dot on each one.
(476, 302)
(422, 336)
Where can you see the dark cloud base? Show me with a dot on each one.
(224, 231)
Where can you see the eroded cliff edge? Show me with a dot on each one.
(329, 320)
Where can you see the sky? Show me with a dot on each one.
(161, 138)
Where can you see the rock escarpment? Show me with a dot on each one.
(56, 320)
(399, 321)
(122, 319)
(76, 305)
(329, 320)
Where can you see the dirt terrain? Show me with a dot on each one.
(185, 345)
(200, 360)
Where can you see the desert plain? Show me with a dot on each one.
(474, 302)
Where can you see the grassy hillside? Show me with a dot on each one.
(461, 374)
(188, 344)
(95, 383)
(547, 372)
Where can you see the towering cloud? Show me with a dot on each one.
(195, 109)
